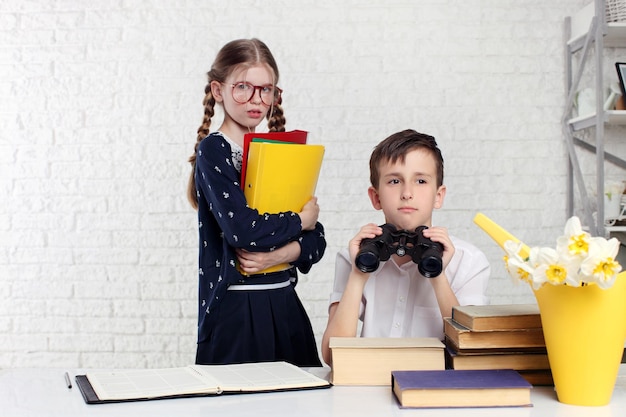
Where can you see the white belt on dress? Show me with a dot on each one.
(256, 287)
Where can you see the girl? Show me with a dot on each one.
(252, 317)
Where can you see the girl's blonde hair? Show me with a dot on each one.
(234, 55)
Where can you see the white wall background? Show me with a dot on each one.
(100, 102)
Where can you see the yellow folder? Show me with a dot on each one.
(281, 177)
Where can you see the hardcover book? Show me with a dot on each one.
(193, 381)
(469, 388)
(538, 376)
(463, 338)
(370, 360)
(498, 317)
(497, 359)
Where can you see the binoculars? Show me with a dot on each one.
(423, 251)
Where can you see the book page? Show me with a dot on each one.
(262, 376)
(149, 383)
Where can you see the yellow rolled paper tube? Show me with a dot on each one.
(498, 233)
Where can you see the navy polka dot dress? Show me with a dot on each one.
(240, 318)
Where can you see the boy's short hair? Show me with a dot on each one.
(395, 148)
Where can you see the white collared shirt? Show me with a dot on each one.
(399, 302)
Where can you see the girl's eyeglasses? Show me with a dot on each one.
(243, 93)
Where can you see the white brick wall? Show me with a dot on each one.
(100, 101)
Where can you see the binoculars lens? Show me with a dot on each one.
(367, 262)
(430, 266)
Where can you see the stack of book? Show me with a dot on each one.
(370, 360)
(498, 337)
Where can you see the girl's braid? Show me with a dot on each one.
(276, 120)
(203, 132)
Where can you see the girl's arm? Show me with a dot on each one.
(303, 253)
(242, 226)
(312, 247)
(254, 262)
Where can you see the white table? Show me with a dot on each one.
(42, 392)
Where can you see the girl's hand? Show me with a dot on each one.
(309, 214)
(440, 235)
(368, 231)
(255, 262)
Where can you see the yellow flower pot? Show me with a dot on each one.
(584, 330)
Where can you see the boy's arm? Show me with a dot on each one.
(469, 273)
(446, 299)
(343, 316)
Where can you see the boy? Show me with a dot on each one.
(406, 175)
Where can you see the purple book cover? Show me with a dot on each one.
(459, 379)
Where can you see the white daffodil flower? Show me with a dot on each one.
(515, 264)
(575, 241)
(551, 268)
(578, 259)
(600, 266)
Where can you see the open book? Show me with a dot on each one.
(194, 381)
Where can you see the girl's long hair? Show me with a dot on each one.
(234, 55)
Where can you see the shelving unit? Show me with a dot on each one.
(583, 31)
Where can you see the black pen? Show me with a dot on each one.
(67, 380)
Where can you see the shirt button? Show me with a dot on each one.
(396, 325)
(402, 299)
